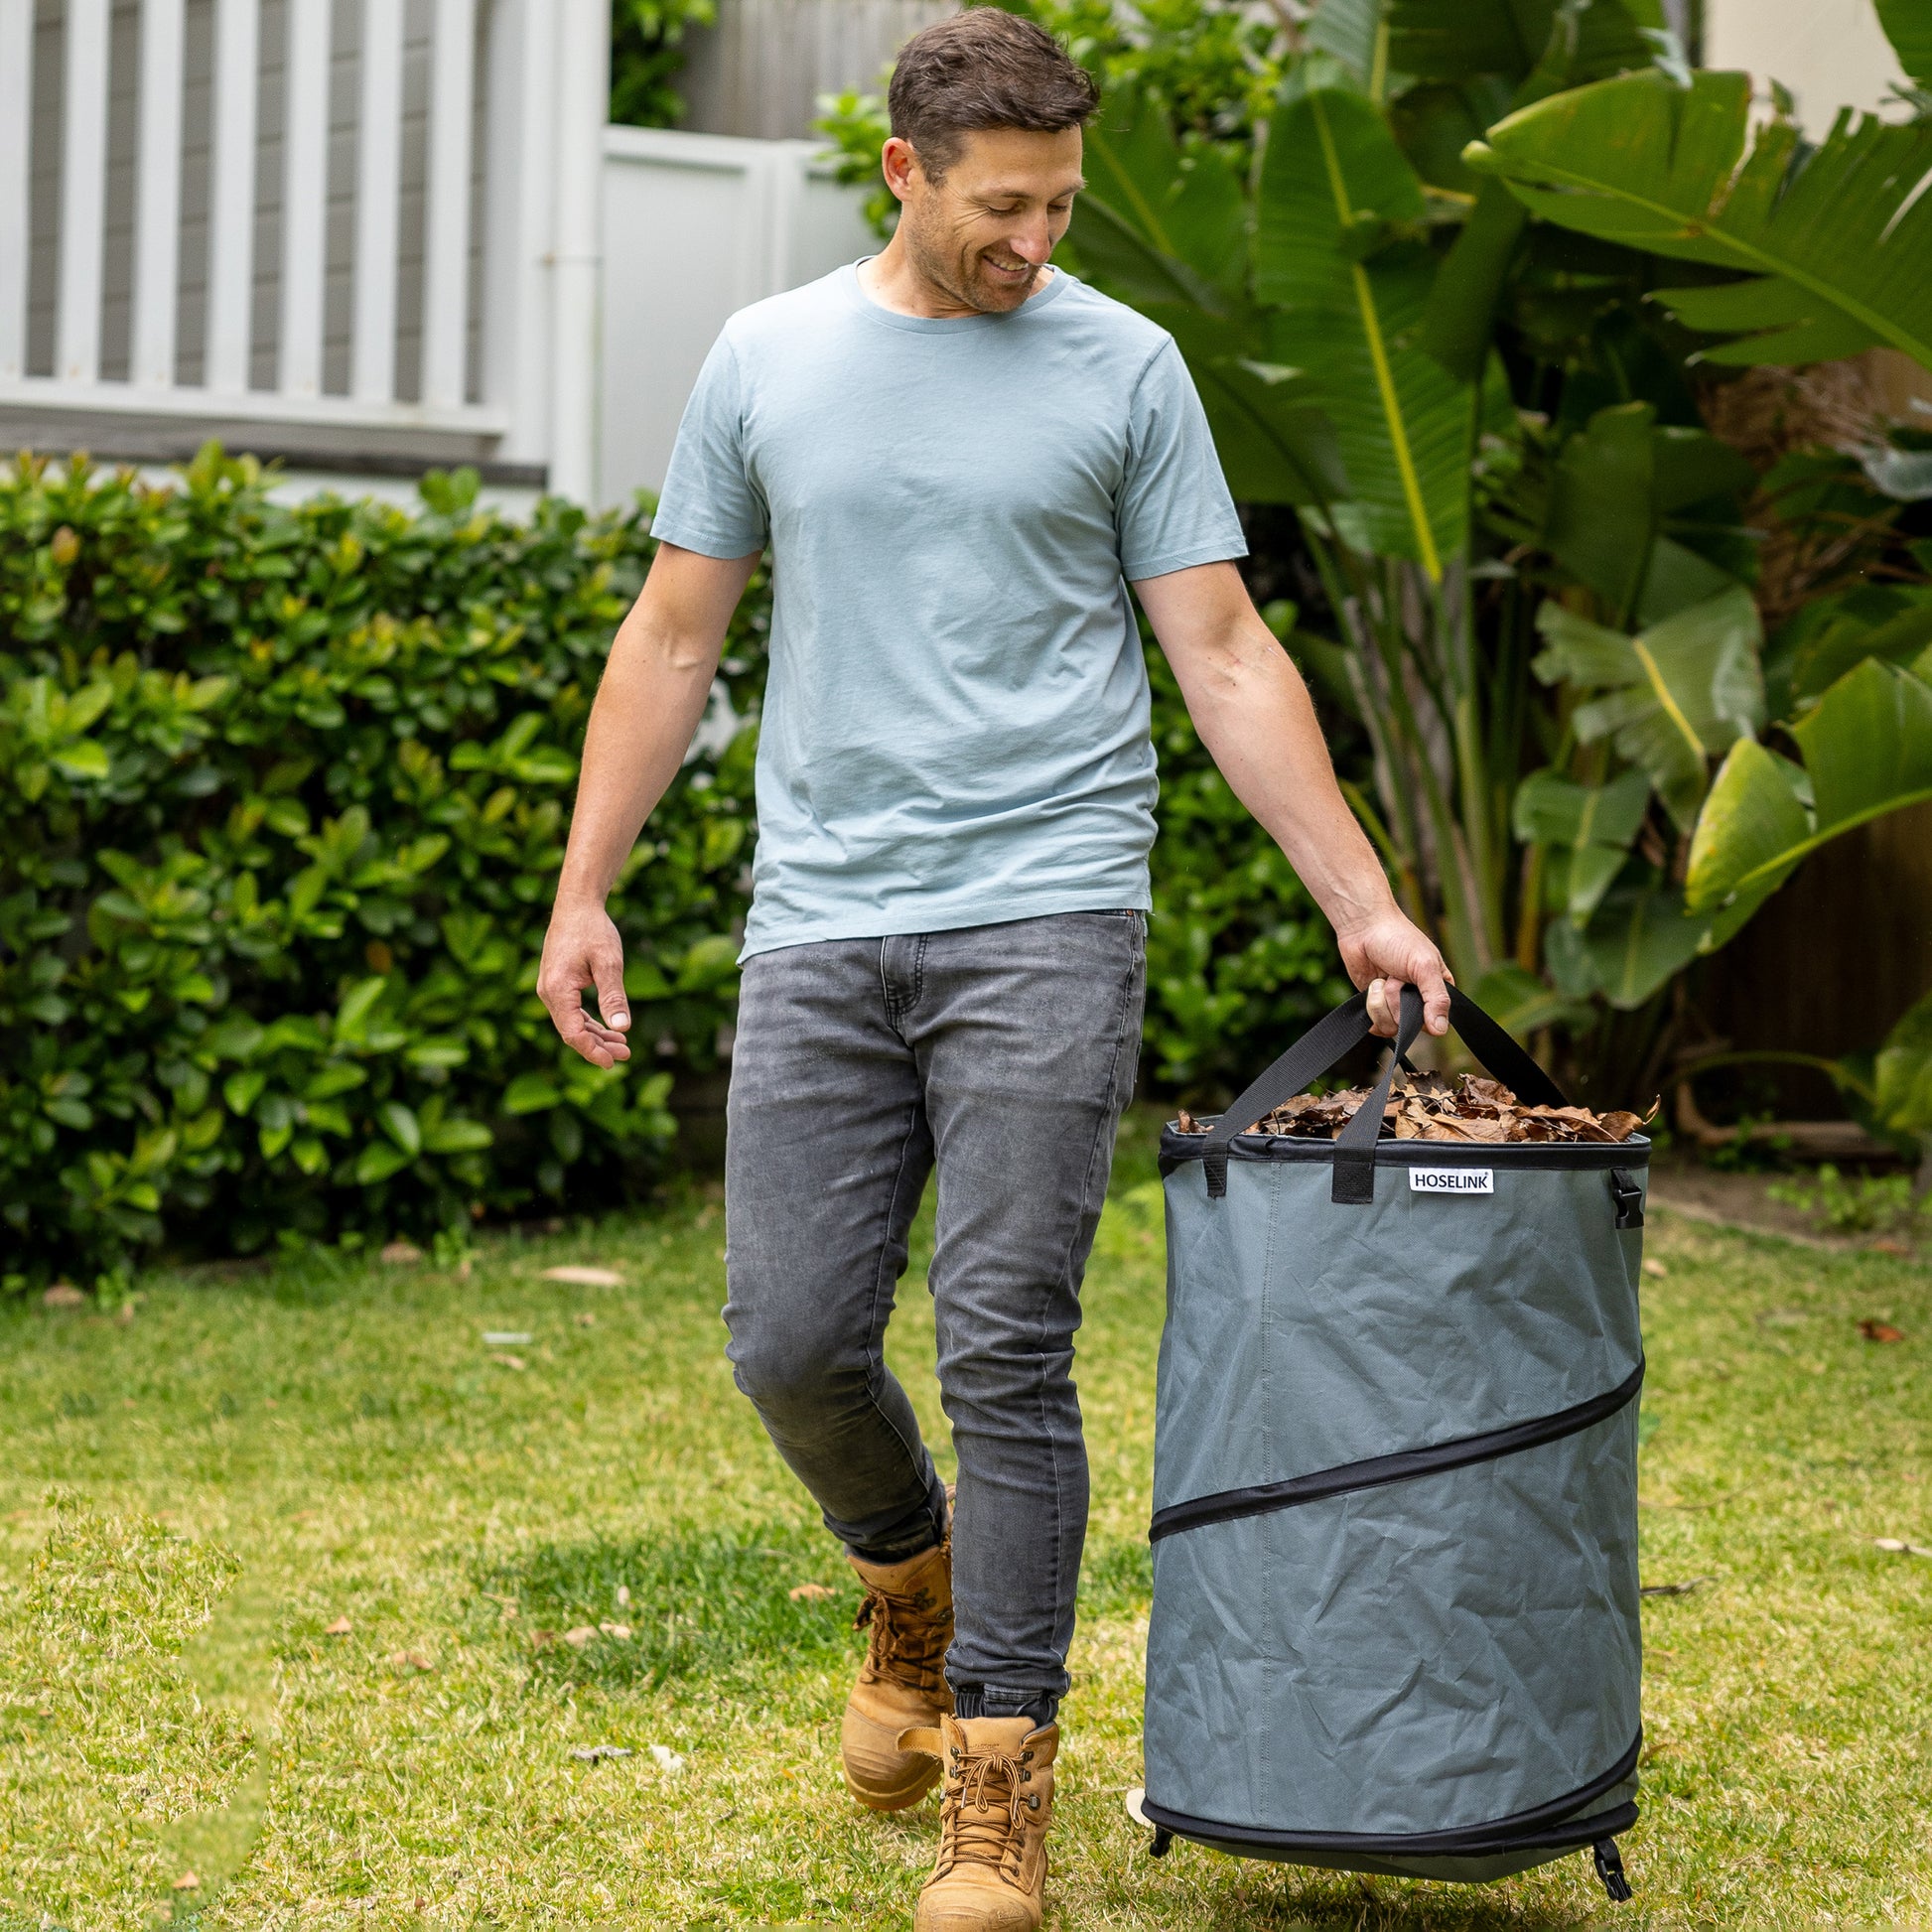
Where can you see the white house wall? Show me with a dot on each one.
(1831, 53)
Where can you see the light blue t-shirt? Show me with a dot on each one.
(955, 722)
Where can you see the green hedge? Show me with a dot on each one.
(283, 791)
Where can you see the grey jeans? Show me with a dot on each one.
(1002, 1055)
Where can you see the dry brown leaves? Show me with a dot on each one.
(1432, 1107)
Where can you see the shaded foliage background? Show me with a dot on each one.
(283, 794)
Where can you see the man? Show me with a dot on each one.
(956, 456)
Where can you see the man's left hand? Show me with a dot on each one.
(1381, 955)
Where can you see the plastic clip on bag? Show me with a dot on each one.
(1395, 1621)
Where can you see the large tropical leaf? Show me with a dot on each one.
(1908, 26)
(1673, 696)
(1638, 941)
(1616, 512)
(1456, 40)
(1144, 198)
(1355, 33)
(1905, 1073)
(1337, 252)
(1583, 40)
(1837, 237)
(1867, 751)
(1590, 825)
(1168, 234)
(1888, 620)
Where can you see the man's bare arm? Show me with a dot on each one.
(1253, 713)
(652, 695)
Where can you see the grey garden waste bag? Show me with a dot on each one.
(1395, 1563)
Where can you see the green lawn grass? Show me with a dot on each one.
(193, 1498)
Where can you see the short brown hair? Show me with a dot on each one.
(984, 68)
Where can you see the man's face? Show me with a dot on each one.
(983, 231)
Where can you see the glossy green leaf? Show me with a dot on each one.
(441, 1051)
(241, 1090)
(1144, 203)
(1680, 172)
(1674, 695)
(1553, 811)
(1904, 1072)
(1165, 224)
(1456, 40)
(1338, 199)
(378, 1160)
(532, 1093)
(1355, 34)
(81, 758)
(1840, 643)
(1614, 494)
(1458, 320)
(401, 1126)
(1908, 26)
(1521, 1003)
(1775, 321)
(457, 1137)
(1638, 942)
(1867, 752)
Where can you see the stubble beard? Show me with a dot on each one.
(955, 278)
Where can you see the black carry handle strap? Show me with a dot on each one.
(1326, 1041)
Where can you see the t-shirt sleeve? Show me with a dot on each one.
(709, 502)
(1174, 510)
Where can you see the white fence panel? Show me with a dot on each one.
(258, 220)
(16, 227)
(157, 194)
(696, 227)
(84, 191)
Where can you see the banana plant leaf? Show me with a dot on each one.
(1908, 26)
(1639, 940)
(1674, 695)
(1837, 237)
(1355, 33)
(1175, 226)
(1167, 232)
(1583, 40)
(1616, 512)
(1592, 825)
(1867, 751)
(1848, 638)
(1338, 253)
(1905, 1073)
(1456, 40)
(1522, 1004)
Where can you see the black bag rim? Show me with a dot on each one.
(1581, 1156)
(1550, 1825)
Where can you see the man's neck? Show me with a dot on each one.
(893, 280)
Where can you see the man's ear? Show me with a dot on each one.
(898, 162)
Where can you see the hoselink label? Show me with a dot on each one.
(1452, 1180)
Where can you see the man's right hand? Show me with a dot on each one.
(581, 949)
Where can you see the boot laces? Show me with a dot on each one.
(982, 1813)
(906, 1642)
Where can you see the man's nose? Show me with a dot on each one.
(1034, 243)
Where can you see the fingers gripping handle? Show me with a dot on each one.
(1326, 1041)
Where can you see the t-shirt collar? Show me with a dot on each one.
(944, 325)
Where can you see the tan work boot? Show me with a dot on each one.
(901, 1684)
(991, 1873)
